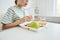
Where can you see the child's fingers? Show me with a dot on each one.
(28, 18)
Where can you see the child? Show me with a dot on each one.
(11, 19)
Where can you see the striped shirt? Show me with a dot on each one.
(13, 13)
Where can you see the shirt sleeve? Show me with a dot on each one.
(8, 18)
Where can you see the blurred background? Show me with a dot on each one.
(47, 9)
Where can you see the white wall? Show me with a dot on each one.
(46, 7)
(5, 4)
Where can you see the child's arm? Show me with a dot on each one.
(17, 22)
(27, 18)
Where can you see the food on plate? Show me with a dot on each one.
(42, 24)
(27, 25)
(34, 25)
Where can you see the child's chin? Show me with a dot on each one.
(23, 5)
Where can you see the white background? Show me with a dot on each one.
(5, 4)
(46, 7)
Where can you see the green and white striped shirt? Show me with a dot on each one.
(13, 13)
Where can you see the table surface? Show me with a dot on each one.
(51, 32)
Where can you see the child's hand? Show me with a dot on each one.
(28, 18)
(37, 19)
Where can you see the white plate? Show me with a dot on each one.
(29, 28)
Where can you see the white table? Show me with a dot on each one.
(51, 33)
